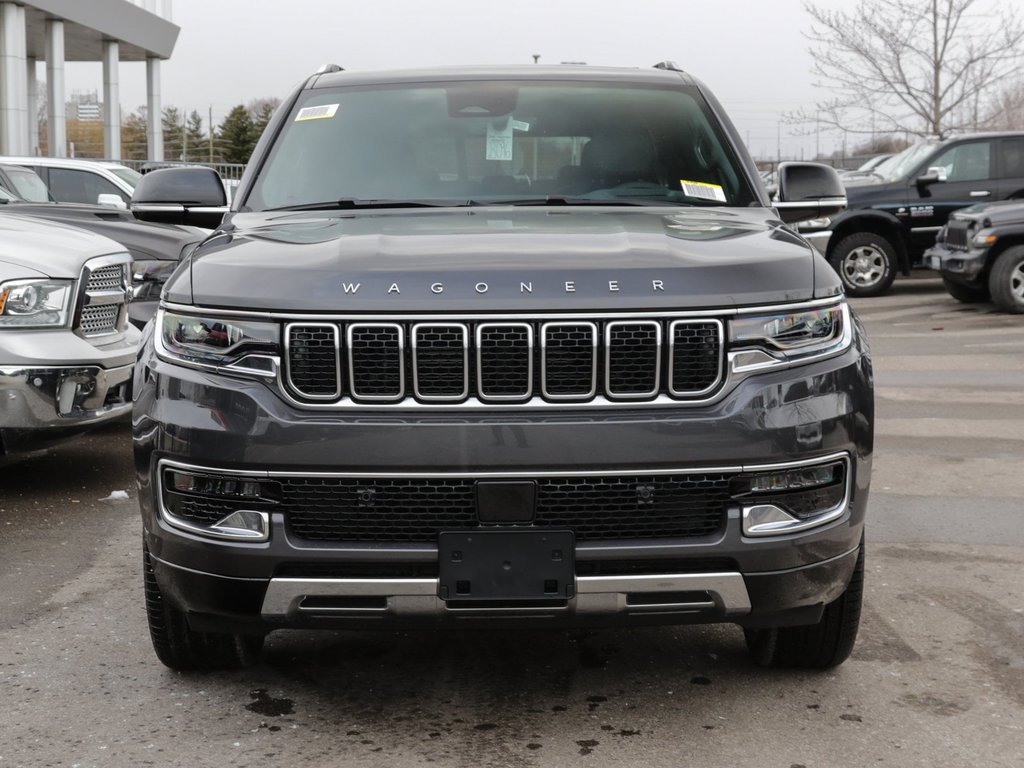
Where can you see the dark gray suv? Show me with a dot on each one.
(484, 347)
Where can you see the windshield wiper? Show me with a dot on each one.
(356, 204)
(558, 200)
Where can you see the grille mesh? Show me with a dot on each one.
(956, 234)
(377, 361)
(602, 508)
(505, 360)
(695, 356)
(570, 353)
(633, 353)
(313, 360)
(109, 278)
(441, 361)
(99, 318)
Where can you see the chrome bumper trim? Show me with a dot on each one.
(66, 396)
(726, 595)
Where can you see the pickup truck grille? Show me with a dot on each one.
(416, 510)
(957, 234)
(102, 308)
(504, 361)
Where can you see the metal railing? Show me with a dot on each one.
(227, 171)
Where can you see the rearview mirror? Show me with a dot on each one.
(111, 201)
(192, 195)
(809, 191)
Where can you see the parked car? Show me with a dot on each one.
(518, 346)
(75, 180)
(890, 221)
(24, 183)
(866, 169)
(66, 346)
(980, 255)
(155, 249)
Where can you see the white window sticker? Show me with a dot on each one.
(323, 112)
(703, 190)
(499, 140)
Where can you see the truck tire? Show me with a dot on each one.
(183, 649)
(866, 263)
(1006, 280)
(968, 294)
(823, 645)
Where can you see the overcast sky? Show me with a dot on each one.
(750, 52)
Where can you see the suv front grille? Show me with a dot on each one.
(504, 361)
(417, 510)
(957, 232)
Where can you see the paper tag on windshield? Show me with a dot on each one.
(322, 112)
(499, 141)
(703, 190)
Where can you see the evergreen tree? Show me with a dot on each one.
(171, 124)
(198, 148)
(237, 135)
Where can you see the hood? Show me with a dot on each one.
(994, 214)
(143, 240)
(498, 259)
(48, 248)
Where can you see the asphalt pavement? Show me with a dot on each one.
(936, 679)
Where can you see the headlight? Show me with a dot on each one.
(984, 239)
(213, 341)
(148, 278)
(35, 303)
(793, 335)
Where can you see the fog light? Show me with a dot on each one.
(209, 485)
(792, 499)
(247, 524)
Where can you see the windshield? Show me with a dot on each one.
(901, 164)
(462, 143)
(6, 197)
(127, 175)
(28, 185)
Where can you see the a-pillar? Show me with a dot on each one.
(154, 111)
(13, 81)
(111, 101)
(56, 120)
(33, 106)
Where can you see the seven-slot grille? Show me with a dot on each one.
(503, 361)
(956, 234)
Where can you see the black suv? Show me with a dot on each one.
(502, 346)
(980, 255)
(894, 215)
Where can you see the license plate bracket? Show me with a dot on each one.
(506, 566)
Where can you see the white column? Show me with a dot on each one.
(154, 111)
(56, 118)
(13, 81)
(33, 106)
(111, 101)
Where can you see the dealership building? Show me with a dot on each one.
(60, 31)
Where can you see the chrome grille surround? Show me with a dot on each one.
(738, 364)
(101, 308)
(490, 337)
(290, 342)
(422, 349)
(547, 368)
(618, 380)
(387, 340)
(719, 329)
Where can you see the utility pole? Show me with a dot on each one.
(210, 121)
(184, 137)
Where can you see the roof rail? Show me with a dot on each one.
(669, 65)
(325, 68)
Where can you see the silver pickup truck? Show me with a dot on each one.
(66, 347)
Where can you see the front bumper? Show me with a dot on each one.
(965, 267)
(62, 397)
(210, 420)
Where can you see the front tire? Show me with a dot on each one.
(865, 262)
(823, 645)
(1006, 280)
(966, 294)
(183, 649)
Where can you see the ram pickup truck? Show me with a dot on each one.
(492, 347)
(66, 348)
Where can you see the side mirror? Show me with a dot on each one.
(192, 195)
(111, 201)
(809, 191)
(933, 175)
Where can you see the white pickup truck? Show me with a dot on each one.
(66, 347)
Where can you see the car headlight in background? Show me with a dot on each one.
(219, 342)
(35, 303)
(148, 278)
(984, 238)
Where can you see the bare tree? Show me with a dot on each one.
(1006, 111)
(912, 67)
